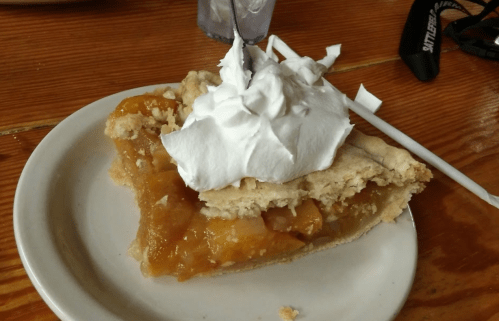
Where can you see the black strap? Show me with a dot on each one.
(422, 36)
(476, 36)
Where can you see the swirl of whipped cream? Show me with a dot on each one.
(286, 124)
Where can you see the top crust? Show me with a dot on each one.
(361, 159)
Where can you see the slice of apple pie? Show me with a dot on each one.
(185, 233)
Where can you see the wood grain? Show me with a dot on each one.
(456, 118)
(58, 58)
(55, 59)
(18, 298)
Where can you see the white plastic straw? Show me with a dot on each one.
(396, 134)
(422, 152)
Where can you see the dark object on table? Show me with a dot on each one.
(475, 35)
(422, 36)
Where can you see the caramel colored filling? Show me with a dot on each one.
(175, 239)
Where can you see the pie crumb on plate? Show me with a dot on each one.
(287, 313)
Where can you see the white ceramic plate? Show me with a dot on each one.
(73, 227)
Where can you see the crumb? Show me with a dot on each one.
(287, 313)
(163, 201)
(169, 94)
(129, 125)
(134, 250)
(228, 263)
(140, 163)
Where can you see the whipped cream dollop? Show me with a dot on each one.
(287, 123)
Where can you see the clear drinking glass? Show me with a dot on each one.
(253, 19)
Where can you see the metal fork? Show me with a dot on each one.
(247, 61)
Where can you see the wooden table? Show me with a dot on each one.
(55, 59)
